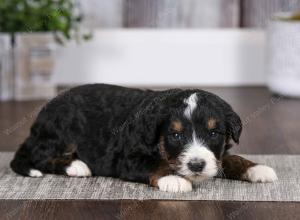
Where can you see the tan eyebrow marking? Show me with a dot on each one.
(177, 126)
(211, 123)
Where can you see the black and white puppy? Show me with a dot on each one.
(167, 139)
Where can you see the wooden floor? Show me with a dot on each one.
(271, 126)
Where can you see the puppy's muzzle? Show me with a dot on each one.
(196, 166)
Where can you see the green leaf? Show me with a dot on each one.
(55, 16)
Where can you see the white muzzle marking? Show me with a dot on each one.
(197, 151)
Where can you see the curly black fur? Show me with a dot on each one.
(114, 130)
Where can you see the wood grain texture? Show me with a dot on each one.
(15, 122)
(128, 209)
(102, 13)
(181, 13)
(270, 127)
(174, 210)
(47, 209)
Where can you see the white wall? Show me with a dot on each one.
(148, 57)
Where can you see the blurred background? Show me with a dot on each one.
(50, 44)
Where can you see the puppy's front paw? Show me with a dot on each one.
(174, 183)
(260, 173)
(78, 169)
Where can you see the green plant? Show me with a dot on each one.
(57, 16)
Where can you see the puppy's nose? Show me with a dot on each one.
(196, 166)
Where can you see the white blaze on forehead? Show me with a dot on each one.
(191, 105)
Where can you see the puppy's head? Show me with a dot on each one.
(197, 133)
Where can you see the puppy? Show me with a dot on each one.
(167, 139)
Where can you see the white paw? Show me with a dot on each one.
(78, 169)
(35, 173)
(261, 173)
(174, 183)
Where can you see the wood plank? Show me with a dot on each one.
(51, 209)
(181, 14)
(102, 14)
(134, 209)
(15, 122)
(174, 210)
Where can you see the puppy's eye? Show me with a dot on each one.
(213, 134)
(177, 136)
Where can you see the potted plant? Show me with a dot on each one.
(284, 54)
(35, 27)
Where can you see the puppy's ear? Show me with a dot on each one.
(153, 113)
(234, 125)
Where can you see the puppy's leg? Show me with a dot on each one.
(36, 157)
(68, 164)
(166, 181)
(239, 168)
(143, 169)
(47, 156)
(78, 168)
